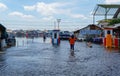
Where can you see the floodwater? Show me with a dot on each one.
(36, 58)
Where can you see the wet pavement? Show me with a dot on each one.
(36, 58)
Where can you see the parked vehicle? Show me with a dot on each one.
(64, 35)
(98, 40)
(81, 38)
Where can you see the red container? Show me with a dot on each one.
(116, 42)
(104, 42)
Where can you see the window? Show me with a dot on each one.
(55, 35)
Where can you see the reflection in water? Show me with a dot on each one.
(27, 41)
(2, 61)
(108, 49)
(112, 49)
(117, 50)
(72, 56)
(43, 59)
(72, 53)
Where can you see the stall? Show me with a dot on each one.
(115, 33)
(55, 37)
(105, 33)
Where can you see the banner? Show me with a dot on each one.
(90, 32)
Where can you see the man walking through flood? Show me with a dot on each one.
(72, 40)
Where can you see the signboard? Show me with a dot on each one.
(90, 32)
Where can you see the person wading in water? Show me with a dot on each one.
(44, 37)
(72, 40)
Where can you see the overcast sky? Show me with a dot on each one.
(43, 14)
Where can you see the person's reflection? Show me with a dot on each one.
(72, 54)
(108, 49)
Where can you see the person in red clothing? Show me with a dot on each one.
(72, 40)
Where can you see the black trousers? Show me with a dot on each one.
(72, 46)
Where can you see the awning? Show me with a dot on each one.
(117, 25)
(105, 10)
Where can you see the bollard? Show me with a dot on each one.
(119, 42)
(104, 41)
(116, 42)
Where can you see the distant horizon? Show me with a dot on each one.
(64, 25)
(37, 29)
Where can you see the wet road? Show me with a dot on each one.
(35, 58)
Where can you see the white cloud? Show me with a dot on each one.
(48, 18)
(3, 7)
(52, 9)
(18, 14)
(29, 8)
(112, 1)
(48, 9)
(45, 9)
(78, 16)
